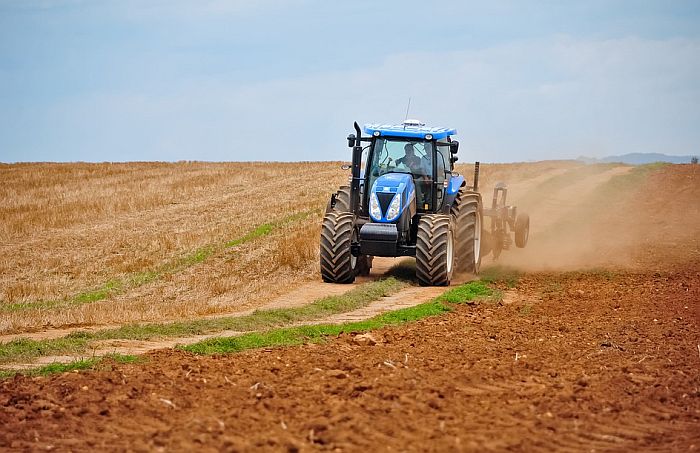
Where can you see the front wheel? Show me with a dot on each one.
(435, 250)
(337, 262)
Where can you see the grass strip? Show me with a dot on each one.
(292, 336)
(83, 364)
(134, 280)
(79, 341)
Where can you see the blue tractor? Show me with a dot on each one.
(405, 199)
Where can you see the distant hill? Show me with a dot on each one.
(638, 159)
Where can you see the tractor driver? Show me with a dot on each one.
(418, 170)
(411, 161)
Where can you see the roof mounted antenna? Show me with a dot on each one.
(408, 107)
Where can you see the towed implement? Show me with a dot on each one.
(405, 199)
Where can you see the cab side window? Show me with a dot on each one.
(443, 170)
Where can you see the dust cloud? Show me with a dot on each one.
(600, 216)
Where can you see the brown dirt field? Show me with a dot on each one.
(569, 362)
(605, 357)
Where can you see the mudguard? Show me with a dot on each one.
(451, 193)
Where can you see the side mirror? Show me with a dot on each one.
(454, 147)
(351, 140)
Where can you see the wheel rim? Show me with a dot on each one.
(477, 238)
(450, 253)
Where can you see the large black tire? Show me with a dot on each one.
(522, 230)
(342, 204)
(435, 250)
(337, 263)
(342, 199)
(466, 212)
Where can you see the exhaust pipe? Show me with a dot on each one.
(356, 161)
(476, 176)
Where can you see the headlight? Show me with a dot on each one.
(393, 211)
(374, 209)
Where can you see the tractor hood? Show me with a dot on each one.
(391, 194)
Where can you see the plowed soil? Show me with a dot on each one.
(595, 348)
(573, 361)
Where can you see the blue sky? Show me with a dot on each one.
(284, 80)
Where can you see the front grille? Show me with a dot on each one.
(384, 200)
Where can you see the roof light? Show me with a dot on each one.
(376, 133)
(428, 136)
(413, 123)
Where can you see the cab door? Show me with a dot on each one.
(443, 171)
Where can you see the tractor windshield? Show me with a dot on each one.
(394, 155)
(401, 156)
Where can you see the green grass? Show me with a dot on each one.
(83, 364)
(260, 231)
(292, 336)
(465, 293)
(134, 280)
(79, 341)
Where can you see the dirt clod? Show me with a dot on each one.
(365, 339)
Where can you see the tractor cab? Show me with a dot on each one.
(426, 154)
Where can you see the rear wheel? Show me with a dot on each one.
(466, 212)
(435, 250)
(338, 265)
(342, 199)
(522, 230)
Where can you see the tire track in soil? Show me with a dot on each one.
(407, 297)
(304, 294)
